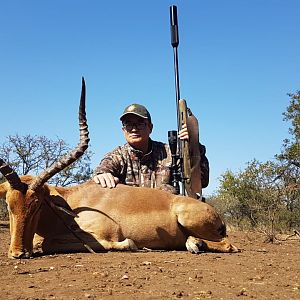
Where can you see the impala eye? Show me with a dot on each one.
(34, 202)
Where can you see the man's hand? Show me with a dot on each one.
(106, 180)
(183, 134)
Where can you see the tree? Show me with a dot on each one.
(32, 154)
(267, 195)
(289, 160)
(291, 146)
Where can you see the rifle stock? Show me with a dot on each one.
(185, 151)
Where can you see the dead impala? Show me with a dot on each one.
(72, 219)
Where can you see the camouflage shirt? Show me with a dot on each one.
(149, 170)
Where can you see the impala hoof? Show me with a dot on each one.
(18, 254)
(131, 245)
(234, 249)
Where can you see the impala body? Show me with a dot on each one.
(86, 216)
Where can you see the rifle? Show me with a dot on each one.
(182, 172)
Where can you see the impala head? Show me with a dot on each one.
(23, 207)
(24, 195)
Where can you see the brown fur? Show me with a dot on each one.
(123, 218)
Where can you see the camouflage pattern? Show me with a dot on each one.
(150, 170)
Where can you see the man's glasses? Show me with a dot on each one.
(130, 126)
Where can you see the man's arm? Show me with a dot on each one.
(204, 166)
(107, 173)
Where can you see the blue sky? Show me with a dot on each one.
(237, 62)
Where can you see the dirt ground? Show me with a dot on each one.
(259, 271)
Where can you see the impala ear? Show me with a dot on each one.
(3, 190)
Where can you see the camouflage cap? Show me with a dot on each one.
(138, 110)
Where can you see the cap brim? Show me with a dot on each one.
(132, 113)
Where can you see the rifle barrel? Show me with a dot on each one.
(174, 26)
(175, 43)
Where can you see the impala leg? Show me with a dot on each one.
(197, 245)
(199, 219)
(127, 244)
(70, 244)
(203, 227)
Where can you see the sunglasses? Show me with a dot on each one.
(138, 126)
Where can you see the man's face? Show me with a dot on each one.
(137, 131)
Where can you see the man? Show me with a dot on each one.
(141, 161)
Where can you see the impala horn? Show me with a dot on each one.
(12, 177)
(72, 156)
